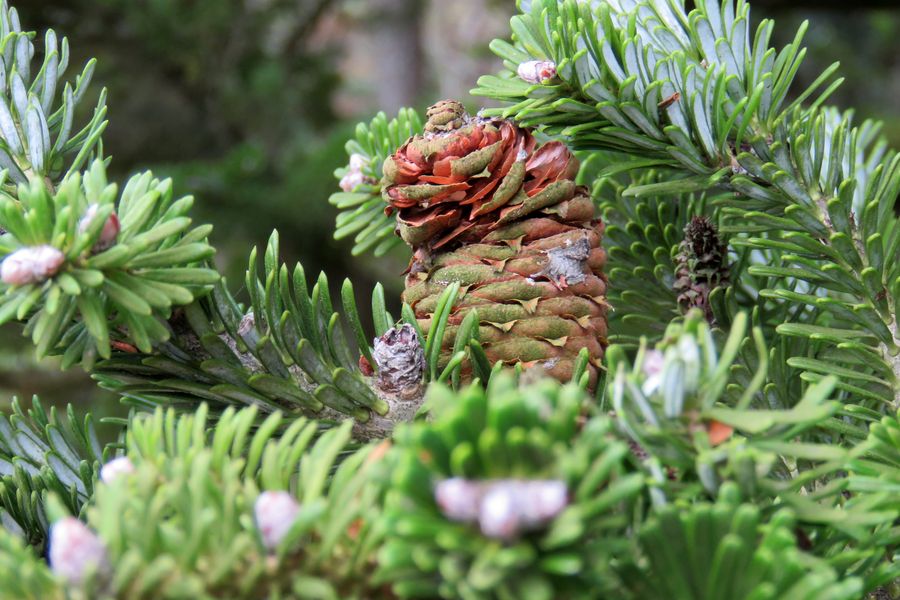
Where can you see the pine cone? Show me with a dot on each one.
(483, 205)
(701, 266)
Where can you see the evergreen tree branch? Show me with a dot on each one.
(698, 96)
(362, 209)
(86, 272)
(124, 279)
(23, 573)
(239, 510)
(42, 453)
(38, 136)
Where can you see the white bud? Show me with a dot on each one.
(31, 265)
(116, 468)
(275, 513)
(75, 550)
(358, 162)
(537, 71)
(653, 368)
(500, 515)
(458, 499)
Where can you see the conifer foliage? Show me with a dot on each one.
(726, 424)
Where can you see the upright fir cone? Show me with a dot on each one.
(482, 204)
(701, 265)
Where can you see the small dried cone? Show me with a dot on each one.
(482, 204)
(701, 266)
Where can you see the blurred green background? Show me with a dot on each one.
(247, 104)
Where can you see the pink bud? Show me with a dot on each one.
(75, 550)
(275, 513)
(351, 180)
(108, 234)
(355, 175)
(458, 499)
(652, 368)
(537, 71)
(116, 468)
(31, 265)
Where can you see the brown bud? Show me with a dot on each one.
(365, 366)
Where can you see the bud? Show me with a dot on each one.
(31, 265)
(116, 468)
(541, 501)
(458, 499)
(355, 175)
(75, 550)
(351, 180)
(499, 515)
(358, 162)
(537, 72)
(653, 368)
(108, 234)
(275, 513)
(503, 508)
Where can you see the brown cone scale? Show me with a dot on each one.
(482, 204)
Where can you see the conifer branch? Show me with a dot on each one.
(750, 449)
(703, 102)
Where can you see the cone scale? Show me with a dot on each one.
(483, 204)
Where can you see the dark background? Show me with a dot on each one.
(247, 105)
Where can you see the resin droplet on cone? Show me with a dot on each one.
(483, 204)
